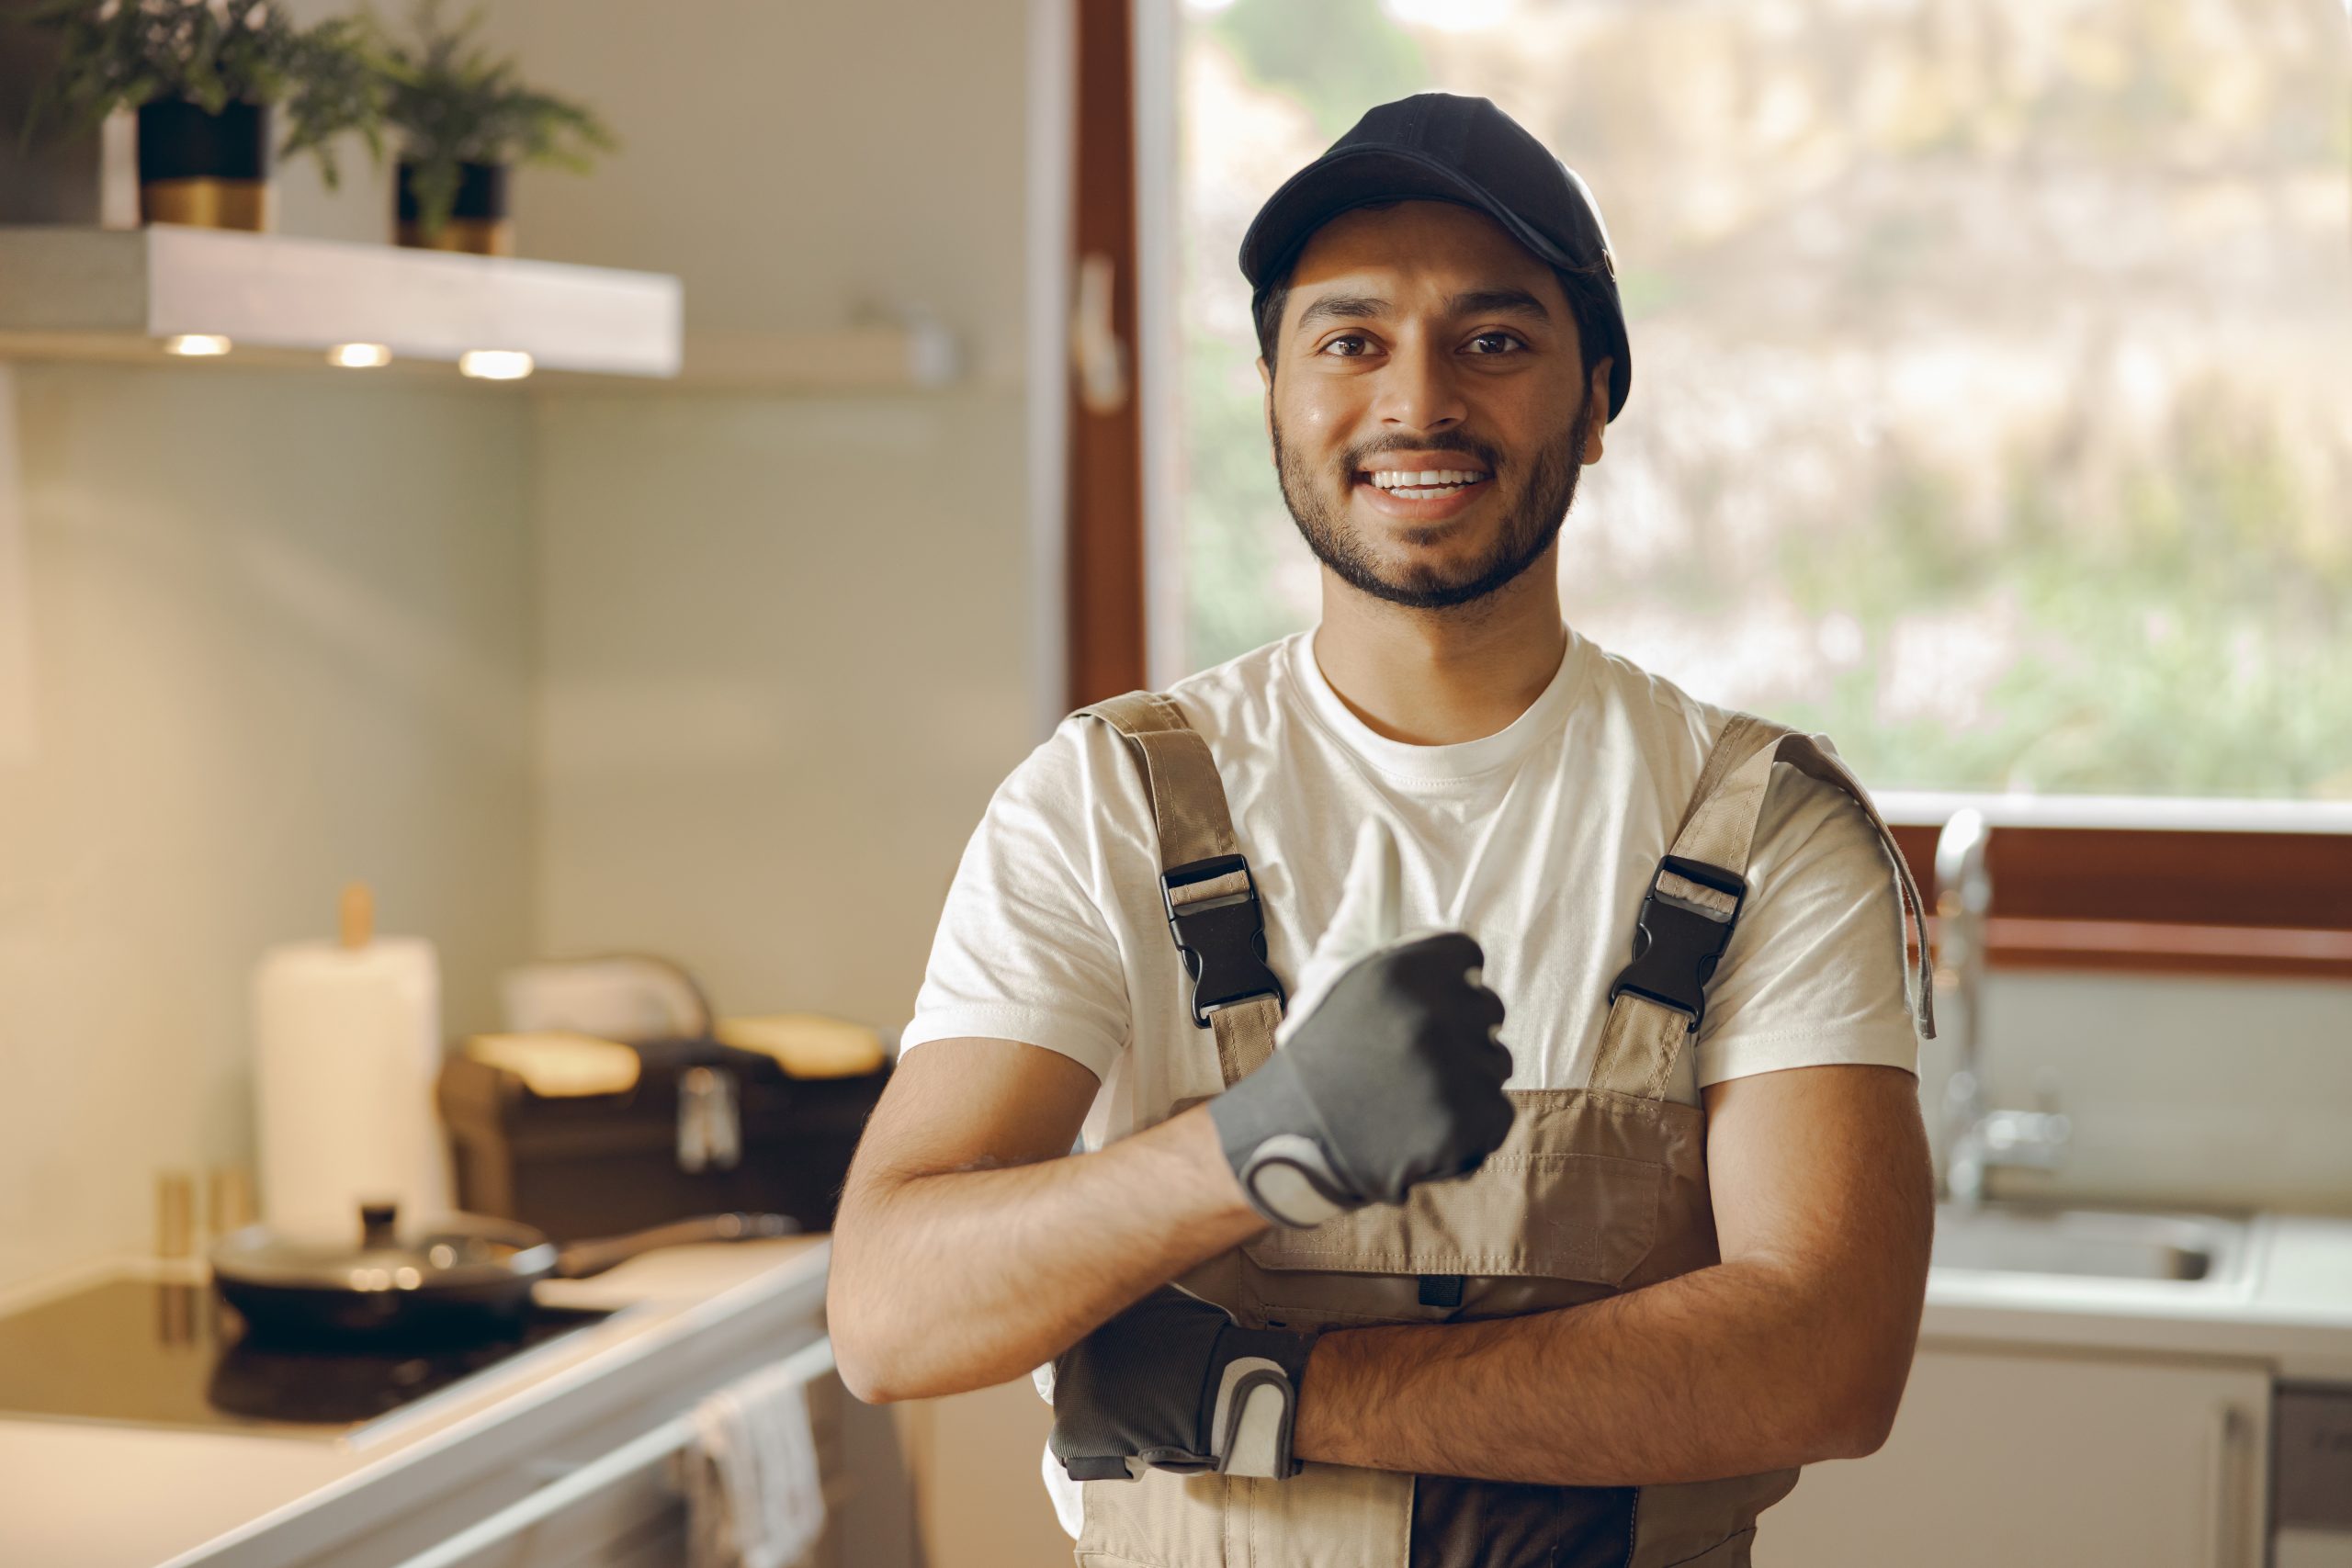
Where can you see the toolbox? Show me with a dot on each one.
(704, 1128)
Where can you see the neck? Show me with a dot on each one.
(1439, 677)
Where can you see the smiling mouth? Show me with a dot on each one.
(1423, 484)
(1422, 499)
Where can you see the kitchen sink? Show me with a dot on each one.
(2012, 1238)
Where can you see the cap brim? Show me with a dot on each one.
(1353, 178)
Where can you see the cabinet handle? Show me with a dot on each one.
(2233, 1471)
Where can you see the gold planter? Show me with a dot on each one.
(208, 202)
(478, 223)
(209, 170)
(475, 236)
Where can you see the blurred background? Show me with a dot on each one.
(890, 392)
(1993, 357)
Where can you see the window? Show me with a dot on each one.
(1992, 406)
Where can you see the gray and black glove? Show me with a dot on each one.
(1175, 1383)
(1387, 1071)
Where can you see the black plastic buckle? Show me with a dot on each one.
(1223, 939)
(1678, 941)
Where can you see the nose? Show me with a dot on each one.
(1420, 387)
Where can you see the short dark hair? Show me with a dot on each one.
(1587, 302)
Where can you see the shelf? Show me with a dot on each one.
(117, 294)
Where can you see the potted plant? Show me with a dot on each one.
(465, 119)
(203, 77)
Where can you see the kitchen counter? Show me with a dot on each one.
(2291, 1306)
(78, 1496)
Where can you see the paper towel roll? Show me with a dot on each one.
(347, 1042)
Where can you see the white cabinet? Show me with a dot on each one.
(2001, 1456)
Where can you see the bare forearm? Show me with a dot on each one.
(1729, 1370)
(963, 1279)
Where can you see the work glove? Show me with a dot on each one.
(1175, 1383)
(1387, 1072)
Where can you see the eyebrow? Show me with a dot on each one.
(1474, 302)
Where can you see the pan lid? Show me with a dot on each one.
(447, 1251)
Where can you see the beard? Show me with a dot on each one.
(1532, 514)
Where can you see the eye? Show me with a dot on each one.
(1501, 337)
(1345, 337)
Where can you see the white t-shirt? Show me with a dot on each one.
(1539, 841)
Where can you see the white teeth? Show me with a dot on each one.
(1399, 478)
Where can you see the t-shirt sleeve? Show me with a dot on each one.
(1023, 951)
(1814, 972)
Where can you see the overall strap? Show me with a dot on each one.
(1694, 899)
(1206, 887)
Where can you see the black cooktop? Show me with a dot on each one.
(151, 1353)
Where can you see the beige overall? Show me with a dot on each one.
(1595, 1191)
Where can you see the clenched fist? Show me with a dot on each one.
(1388, 1071)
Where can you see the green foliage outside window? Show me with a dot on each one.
(1991, 405)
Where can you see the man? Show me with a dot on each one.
(1590, 1294)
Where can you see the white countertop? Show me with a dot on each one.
(2291, 1306)
(74, 1495)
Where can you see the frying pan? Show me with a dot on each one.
(457, 1277)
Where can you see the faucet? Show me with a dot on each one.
(1978, 1139)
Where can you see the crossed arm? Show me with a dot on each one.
(969, 1248)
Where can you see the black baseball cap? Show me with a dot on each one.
(1438, 147)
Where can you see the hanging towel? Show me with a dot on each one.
(754, 1495)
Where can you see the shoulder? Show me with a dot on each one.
(1809, 832)
(1231, 706)
(1085, 777)
(1237, 705)
(1676, 730)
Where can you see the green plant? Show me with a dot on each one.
(336, 88)
(453, 103)
(119, 54)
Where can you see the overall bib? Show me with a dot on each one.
(1594, 1191)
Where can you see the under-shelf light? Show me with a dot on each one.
(494, 364)
(196, 345)
(359, 356)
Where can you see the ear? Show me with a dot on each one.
(1267, 376)
(1597, 393)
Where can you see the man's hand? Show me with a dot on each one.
(1174, 1382)
(1388, 1072)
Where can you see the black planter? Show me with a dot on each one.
(210, 170)
(478, 223)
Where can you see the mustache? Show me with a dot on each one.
(1361, 461)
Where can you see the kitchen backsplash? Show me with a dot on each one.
(278, 641)
(2182, 1090)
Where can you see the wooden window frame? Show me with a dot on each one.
(2161, 900)
(2147, 899)
(1104, 560)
